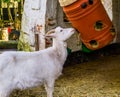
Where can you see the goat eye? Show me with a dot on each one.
(61, 30)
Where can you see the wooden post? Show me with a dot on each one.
(33, 15)
(36, 42)
(116, 17)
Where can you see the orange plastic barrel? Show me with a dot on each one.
(89, 17)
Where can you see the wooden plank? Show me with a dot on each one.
(51, 14)
(36, 42)
(116, 17)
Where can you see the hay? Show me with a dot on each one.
(99, 78)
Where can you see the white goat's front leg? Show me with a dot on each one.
(2, 94)
(5, 88)
(49, 86)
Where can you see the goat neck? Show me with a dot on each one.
(60, 48)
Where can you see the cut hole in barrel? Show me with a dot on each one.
(84, 5)
(112, 30)
(90, 2)
(98, 25)
(94, 43)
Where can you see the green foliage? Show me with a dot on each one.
(6, 1)
(18, 0)
(23, 44)
(8, 44)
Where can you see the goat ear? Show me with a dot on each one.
(51, 31)
(50, 34)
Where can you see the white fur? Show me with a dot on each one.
(21, 70)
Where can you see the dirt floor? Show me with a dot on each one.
(96, 78)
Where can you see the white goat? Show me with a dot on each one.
(20, 70)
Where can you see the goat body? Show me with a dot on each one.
(21, 70)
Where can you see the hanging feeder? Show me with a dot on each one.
(89, 17)
(66, 2)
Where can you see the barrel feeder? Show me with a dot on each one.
(90, 18)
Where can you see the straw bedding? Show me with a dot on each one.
(97, 78)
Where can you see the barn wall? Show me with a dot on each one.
(116, 17)
(51, 14)
(55, 17)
